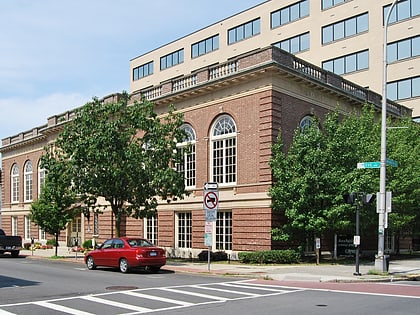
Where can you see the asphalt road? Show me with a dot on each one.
(33, 286)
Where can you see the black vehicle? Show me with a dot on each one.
(12, 244)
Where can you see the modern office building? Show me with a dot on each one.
(237, 90)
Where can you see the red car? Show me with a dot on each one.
(126, 253)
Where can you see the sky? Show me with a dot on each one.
(57, 55)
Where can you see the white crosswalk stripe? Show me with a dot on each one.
(150, 299)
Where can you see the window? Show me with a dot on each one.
(403, 89)
(402, 10)
(331, 3)
(244, 31)
(403, 49)
(143, 71)
(27, 228)
(305, 123)
(151, 229)
(15, 183)
(223, 151)
(171, 60)
(42, 234)
(290, 13)
(224, 231)
(295, 44)
(345, 28)
(184, 229)
(15, 226)
(28, 174)
(205, 46)
(41, 178)
(347, 64)
(187, 151)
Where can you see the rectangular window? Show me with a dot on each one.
(403, 89)
(345, 28)
(295, 44)
(152, 229)
(184, 230)
(331, 3)
(244, 31)
(187, 167)
(143, 71)
(41, 180)
(403, 49)
(224, 161)
(27, 228)
(172, 59)
(224, 231)
(290, 13)
(347, 64)
(15, 189)
(205, 46)
(15, 226)
(402, 10)
(42, 234)
(28, 187)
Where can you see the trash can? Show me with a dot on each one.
(387, 258)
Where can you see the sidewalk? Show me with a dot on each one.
(407, 269)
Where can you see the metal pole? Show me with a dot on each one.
(380, 263)
(357, 273)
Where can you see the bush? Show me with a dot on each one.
(87, 244)
(216, 256)
(51, 242)
(287, 256)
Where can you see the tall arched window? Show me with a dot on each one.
(223, 151)
(187, 150)
(15, 183)
(41, 177)
(28, 173)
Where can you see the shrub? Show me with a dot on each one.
(27, 245)
(287, 256)
(51, 242)
(87, 244)
(216, 256)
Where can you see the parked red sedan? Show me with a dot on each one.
(126, 253)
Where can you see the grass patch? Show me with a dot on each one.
(374, 272)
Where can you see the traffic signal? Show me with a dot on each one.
(368, 198)
(349, 198)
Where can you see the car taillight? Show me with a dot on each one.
(139, 254)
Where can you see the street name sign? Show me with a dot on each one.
(369, 165)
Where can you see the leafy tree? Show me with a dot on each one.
(320, 166)
(55, 207)
(123, 152)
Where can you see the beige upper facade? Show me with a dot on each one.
(355, 49)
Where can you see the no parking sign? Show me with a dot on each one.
(211, 201)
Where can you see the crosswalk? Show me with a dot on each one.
(148, 300)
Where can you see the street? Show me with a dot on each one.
(43, 286)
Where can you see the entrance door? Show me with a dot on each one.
(75, 232)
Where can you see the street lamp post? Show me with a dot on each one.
(380, 263)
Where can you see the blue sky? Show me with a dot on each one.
(57, 55)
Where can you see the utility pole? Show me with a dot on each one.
(380, 263)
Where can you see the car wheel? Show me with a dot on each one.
(15, 253)
(124, 267)
(90, 263)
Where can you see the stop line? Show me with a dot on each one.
(142, 301)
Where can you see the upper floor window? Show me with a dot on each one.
(143, 71)
(187, 151)
(15, 183)
(403, 49)
(41, 178)
(290, 13)
(223, 151)
(172, 59)
(348, 63)
(345, 28)
(244, 31)
(305, 123)
(403, 89)
(331, 3)
(402, 10)
(295, 44)
(205, 46)
(28, 174)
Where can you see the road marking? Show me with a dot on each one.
(116, 304)
(206, 296)
(61, 308)
(157, 298)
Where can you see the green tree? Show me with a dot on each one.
(55, 207)
(320, 166)
(123, 152)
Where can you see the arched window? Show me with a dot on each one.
(41, 177)
(305, 123)
(15, 183)
(187, 150)
(223, 151)
(28, 173)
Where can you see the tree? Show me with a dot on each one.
(320, 166)
(54, 208)
(123, 152)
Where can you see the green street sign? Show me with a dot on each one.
(391, 162)
(369, 165)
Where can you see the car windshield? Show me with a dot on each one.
(139, 243)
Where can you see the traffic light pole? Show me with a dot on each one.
(357, 273)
